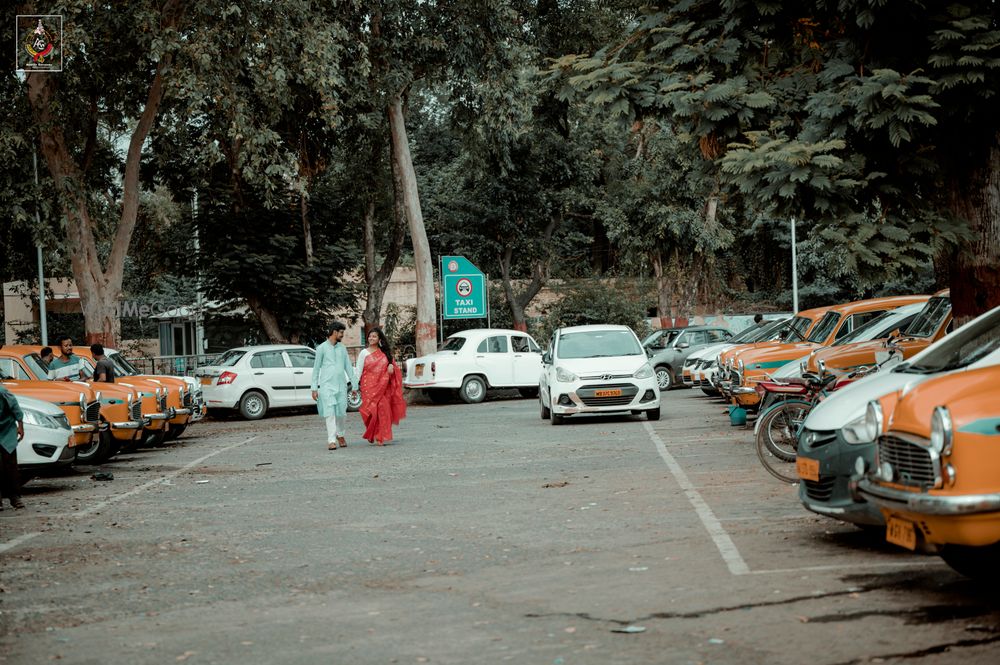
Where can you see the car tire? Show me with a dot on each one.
(545, 411)
(528, 393)
(153, 438)
(438, 395)
(253, 405)
(354, 400)
(556, 419)
(664, 378)
(653, 414)
(99, 451)
(473, 390)
(978, 563)
(175, 431)
(710, 392)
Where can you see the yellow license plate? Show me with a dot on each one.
(902, 533)
(206, 380)
(608, 393)
(420, 369)
(808, 469)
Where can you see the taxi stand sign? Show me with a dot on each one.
(463, 289)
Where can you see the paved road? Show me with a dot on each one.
(484, 535)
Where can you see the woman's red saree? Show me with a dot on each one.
(382, 404)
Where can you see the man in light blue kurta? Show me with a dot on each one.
(332, 372)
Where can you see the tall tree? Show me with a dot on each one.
(876, 122)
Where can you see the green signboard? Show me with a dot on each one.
(463, 289)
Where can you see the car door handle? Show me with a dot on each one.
(258, 373)
(300, 372)
(480, 356)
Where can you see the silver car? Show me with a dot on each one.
(668, 348)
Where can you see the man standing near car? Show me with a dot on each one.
(332, 374)
(104, 369)
(11, 431)
(64, 363)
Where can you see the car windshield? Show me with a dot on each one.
(37, 367)
(598, 344)
(789, 331)
(878, 327)
(822, 330)
(123, 365)
(660, 339)
(230, 358)
(930, 318)
(453, 344)
(963, 347)
(765, 330)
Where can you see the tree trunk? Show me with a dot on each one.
(268, 321)
(426, 332)
(975, 268)
(99, 287)
(518, 302)
(307, 237)
(377, 279)
(662, 290)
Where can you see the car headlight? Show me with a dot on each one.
(941, 430)
(565, 375)
(857, 430)
(39, 419)
(802, 366)
(873, 421)
(644, 372)
(741, 366)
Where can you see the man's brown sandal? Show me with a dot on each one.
(342, 441)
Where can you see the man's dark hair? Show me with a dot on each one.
(97, 349)
(45, 352)
(335, 326)
(757, 318)
(62, 338)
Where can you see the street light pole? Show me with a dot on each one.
(42, 319)
(795, 273)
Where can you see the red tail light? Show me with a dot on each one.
(226, 378)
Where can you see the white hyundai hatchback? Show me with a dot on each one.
(596, 369)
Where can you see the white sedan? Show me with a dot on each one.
(473, 361)
(596, 369)
(46, 445)
(256, 379)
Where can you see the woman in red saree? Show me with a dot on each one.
(382, 404)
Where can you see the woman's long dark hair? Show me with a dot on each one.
(383, 343)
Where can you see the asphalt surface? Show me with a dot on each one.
(482, 535)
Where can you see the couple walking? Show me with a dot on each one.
(375, 374)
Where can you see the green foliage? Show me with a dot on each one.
(597, 301)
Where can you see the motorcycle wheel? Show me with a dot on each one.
(777, 438)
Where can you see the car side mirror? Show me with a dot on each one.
(546, 358)
(682, 345)
(650, 352)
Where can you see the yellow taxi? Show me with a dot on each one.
(754, 364)
(936, 476)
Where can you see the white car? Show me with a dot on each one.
(48, 437)
(596, 369)
(256, 379)
(473, 361)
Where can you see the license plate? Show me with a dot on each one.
(902, 533)
(206, 380)
(419, 371)
(608, 393)
(808, 469)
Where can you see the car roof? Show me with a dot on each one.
(486, 332)
(875, 303)
(597, 327)
(267, 347)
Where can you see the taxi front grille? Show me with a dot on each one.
(588, 394)
(161, 402)
(605, 377)
(92, 414)
(136, 413)
(820, 490)
(911, 464)
(188, 399)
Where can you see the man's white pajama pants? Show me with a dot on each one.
(334, 427)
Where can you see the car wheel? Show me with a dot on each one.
(653, 414)
(175, 431)
(545, 411)
(979, 563)
(473, 390)
(664, 378)
(556, 419)
(354, 400)
(99, 450)
(528, 392)
(710, 392)
(153, 438)
(438, 396)
(253, 405)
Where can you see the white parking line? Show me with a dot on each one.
(725, 544)
(97, 507)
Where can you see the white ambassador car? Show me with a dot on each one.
(596, 369)
(473, 361)
(47, 438)
(256, 379)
